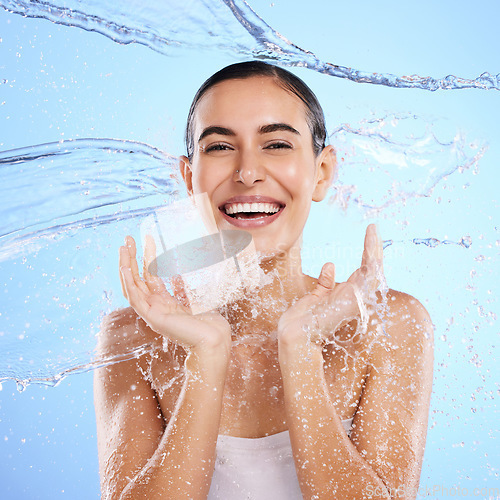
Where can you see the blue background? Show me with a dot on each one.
(62, 83)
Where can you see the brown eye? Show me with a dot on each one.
(279, 145)
(218, 147)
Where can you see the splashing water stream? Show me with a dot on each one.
(161, 29)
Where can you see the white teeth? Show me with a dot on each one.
(235, 208)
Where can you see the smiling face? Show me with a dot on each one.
(254, 158)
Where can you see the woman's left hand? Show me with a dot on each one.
(319, 314)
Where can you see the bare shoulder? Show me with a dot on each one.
(408, 306)
(405, 323)
(132, 355)
(123, 331)
(124, 350)
(117, 327)
(122, 344)
(403, 353)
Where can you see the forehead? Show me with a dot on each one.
(254, 100)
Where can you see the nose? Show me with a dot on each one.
(249, 169)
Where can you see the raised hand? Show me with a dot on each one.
(319, 314)
(166, 315)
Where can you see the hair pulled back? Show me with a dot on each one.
(288, 81)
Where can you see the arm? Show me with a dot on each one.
(382, 459)
(144, 452)
(152, 445)
(384, 455)
(395, 401)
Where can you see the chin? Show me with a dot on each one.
(267, 252)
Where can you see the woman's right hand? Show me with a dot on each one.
(166, 315)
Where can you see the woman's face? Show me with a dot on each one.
(254, 158)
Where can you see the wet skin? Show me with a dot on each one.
(245, 369)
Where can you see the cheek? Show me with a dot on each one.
(300, 179)
(202, 181)
(198, 185)
(208, 175)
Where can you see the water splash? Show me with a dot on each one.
(402, 154)
(231, 25)
(66, 206)
(54, 379)
(465, 242)
(47, 185)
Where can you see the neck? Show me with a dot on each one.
(258, 313)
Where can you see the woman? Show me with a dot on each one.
(254, 401)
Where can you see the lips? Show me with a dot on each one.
(251, 211)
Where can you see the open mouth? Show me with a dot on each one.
(245, 211)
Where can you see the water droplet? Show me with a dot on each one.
(21, 385)
(466, 241)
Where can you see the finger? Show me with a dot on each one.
(132, 249)
(123, 261)
(131, 263)
(365, 259)
(379, 248)
(156, 286)
(369, 251)
(179, 289)
(375, 251)
(350, 300)
(153, 281)
(150, 266)
(370, 275)
(345, 294)
(133, 293)
(358, 277)
(326, 280)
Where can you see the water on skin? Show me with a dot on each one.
(71, 208)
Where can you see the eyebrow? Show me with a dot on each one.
(278, 127)
(216, 130)
(265, 129)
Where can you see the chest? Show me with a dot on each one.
(254, 390)
(253, 401)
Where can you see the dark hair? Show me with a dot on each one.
(288, 81)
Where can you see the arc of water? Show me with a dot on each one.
(151, 28)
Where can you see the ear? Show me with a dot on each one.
(187, 173)
(325, 172)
